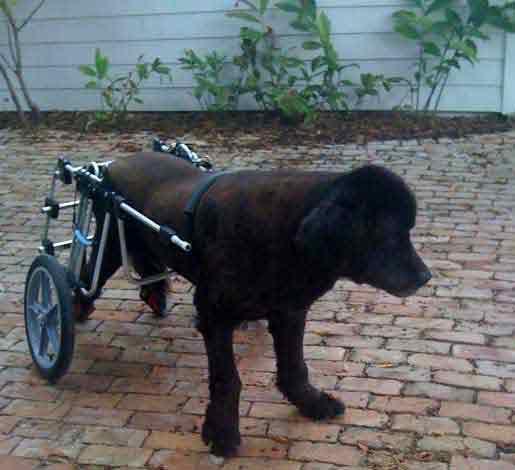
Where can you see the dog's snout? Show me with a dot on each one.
(424, 277)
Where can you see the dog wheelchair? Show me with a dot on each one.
(51, 287)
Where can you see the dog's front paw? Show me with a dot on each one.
(222, 438)
(322, 406)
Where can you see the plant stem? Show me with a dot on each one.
(439, 74)
(31, 14)
(444, 84)
(14, 96)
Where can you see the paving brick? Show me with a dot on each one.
(98, 416)
(378, 356)
(380, 387)
(497, 399)
(366, 418)
(9, 462)
(419, 346)
(137, 402)
(468, 380)
(45, 449)
(469, 411)
(307, 431)
(115, 456)
(455, 336)
(166, 422)
(424, 424)
(440, 392)
(274, 410)
(110, 436)
(497, 369)
(465, 463)
(411, 405)
(33, 409)
(436, 362)
(376, 439)
(454, 444)
(490, 432)
(175, 441)
(403, 373)
(330, 453)
(484, 352)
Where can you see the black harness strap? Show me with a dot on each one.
(194, 201)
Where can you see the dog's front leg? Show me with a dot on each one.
(221, 426)
(287, 330)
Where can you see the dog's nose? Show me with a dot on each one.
(424, 277)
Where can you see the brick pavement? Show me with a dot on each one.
(429, 381)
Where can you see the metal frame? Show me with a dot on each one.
(93, 173)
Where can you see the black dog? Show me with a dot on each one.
(266, 245)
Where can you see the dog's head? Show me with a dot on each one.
(361, 231)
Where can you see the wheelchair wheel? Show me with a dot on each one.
(49, 324)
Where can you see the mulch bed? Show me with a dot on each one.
(258, 129)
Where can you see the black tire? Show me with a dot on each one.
(47, 271)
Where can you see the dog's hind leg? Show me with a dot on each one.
(221, 426)
(112, 260)
(292, 373)
(154, 295)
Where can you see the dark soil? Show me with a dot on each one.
(257, 129)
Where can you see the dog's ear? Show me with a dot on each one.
(323, 231)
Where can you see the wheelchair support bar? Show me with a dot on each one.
(171, 235)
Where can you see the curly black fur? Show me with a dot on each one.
(267, 245)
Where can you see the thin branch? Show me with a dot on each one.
(14, 97)
(10, 18)
(10, 41)
(27, 20)
(7, 63)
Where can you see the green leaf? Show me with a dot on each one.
(91, 85)
(243, 15)
(163, 70)
(288, 6)
(142, 71)
(316, 63)
(478, 12)
(301, 26)
(251, 34)
(311, 45)
(138, 100)
(404, 15)
(453, 18)
(263, 5)
(87, 70)
(324, 27)
(438, 5)
(440, 27)
(101, 64)
(431, 48)
(407, 31)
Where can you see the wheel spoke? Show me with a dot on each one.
(53, 336)
(51, 315)
(34, 310)
(35, 287)
(43, 342)
(46, 294)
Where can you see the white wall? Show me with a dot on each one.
(65, 33)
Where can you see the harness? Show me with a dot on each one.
(194, 201)
(180, 150)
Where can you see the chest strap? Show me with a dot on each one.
(191, 207)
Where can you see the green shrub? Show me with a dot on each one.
(117, 93)
(211, 90)
(446, 34)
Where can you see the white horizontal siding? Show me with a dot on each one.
(65, 33)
